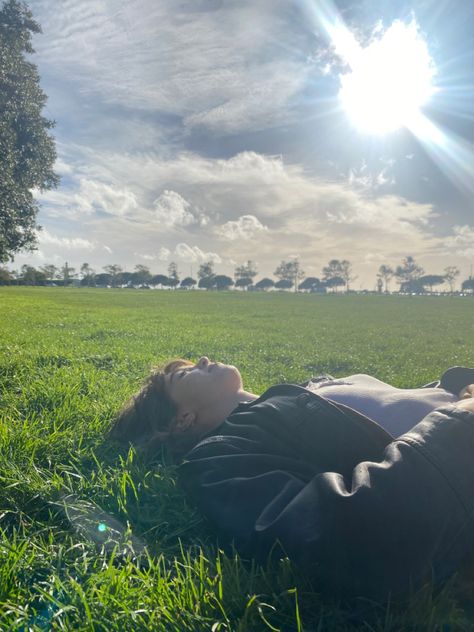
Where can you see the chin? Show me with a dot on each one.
(233, 375)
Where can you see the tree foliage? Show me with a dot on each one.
(222, 282)
(206, 270)
(284, 284)
(188, 282)
(27, 151)
(313, 284)
(246, 271)
(450, 274)
(115, 272)
(160, 279)
(335, 282)
(384, 274)
(141, 275)
(340, 270)
(290, 271)
(431, 279)
(408, 271)
(264, 284)
(468, 285)
(243, 282)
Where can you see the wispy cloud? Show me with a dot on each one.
(210, 63)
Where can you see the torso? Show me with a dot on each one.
(395, 409)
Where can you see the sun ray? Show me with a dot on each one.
(453, 154)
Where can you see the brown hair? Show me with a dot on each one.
(147, 420)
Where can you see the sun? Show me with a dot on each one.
(388, 81)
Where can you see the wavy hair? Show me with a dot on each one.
(147, 420)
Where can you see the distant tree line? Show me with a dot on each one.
(337, 274)
(412, 278)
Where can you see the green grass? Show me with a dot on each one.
(69, 358)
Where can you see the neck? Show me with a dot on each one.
(227, 406)
(245, 396)
(221, 410)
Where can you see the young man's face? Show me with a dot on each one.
(202, 387)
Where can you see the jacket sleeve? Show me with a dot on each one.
(390, 526)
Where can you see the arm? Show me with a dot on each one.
(367, 535)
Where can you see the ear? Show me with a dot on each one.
(185, 419)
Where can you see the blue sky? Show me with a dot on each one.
(190, 130)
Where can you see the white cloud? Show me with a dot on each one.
(461, 242)
(65, 243)
(164, 254)
(246, 227)
(103, 197)
(145, 257)
(171, 209)
(89, 197)
(193, 254)
(292, 210)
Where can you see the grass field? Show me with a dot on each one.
(69, 358)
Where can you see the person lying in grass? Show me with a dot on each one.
(367, 488)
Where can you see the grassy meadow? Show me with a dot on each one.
(95, 539)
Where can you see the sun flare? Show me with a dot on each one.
(388, 81)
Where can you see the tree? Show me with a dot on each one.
(206, 270)
(313, 284)
(87, 275)
(27, 151)
(431, 279)
(408, 271)
(243, 282)
(246, 271)
(385, 273)
(414, 286)
(264, 284)
(32, 276)
(67, 274)
(450, 275)
(103, 279)
(335, 282)
(141, 275)
(173, 274)
(206, 282)
(5, 276)
(290, 271)
(115, 272)
(346, 273)
(160, 279)
(284, 284)
(50, 272)
(332, 269)
(223, 282)
(188, 282)
(468, 285)
(340, 270)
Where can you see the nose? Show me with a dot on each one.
(203, 362)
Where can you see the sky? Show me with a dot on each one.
(196, 130)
